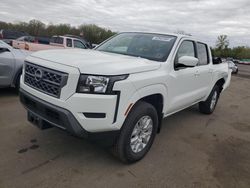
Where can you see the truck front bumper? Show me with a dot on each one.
(44, 114)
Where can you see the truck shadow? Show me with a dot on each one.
(73, 150)
(55, 152)
(4, 92)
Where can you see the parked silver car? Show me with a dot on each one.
(232, 66)
(11, 62)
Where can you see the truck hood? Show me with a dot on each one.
(97, 62)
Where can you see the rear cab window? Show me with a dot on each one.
(202, 53)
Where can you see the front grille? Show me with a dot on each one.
(46, 80)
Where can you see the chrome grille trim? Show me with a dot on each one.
(45, 80)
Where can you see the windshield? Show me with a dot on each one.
(146, 45)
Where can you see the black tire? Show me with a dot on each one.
(122, 148)
(17, 84)
(205, 106)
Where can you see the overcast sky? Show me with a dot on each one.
(205, 19)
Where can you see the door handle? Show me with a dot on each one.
(210, 71)
(197, 73)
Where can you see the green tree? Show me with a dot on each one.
(90, 32)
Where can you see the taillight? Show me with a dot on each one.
(1, 36)
(26, 47)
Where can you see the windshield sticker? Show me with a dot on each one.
(162, 39)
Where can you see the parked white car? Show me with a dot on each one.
(11, 63)
(121, 90)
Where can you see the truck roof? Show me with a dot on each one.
(166, 33)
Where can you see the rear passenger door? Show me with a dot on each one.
(204, 72)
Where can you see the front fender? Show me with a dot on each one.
(151, 90)
(17, 73)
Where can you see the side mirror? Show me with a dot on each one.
(188, 61)
(3, 49)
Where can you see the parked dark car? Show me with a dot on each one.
(43, 40)
(8, 35)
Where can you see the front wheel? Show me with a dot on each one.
(208, 106)
(137, 134)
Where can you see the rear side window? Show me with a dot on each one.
(57, 40)
(202, 53)
(69, 42)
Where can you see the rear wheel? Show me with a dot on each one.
(208, 106)
(137, 134)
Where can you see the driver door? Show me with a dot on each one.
(7, 62)
(183, 87)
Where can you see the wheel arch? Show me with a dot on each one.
(17, 74)
(154, 95)
(220, 82)
(156, 100)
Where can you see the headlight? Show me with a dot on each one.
(97, 84)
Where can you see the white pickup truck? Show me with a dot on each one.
(56, 42)
(120, 91)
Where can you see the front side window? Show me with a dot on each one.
(202, 54)
(186, 49)
(79, 44)
(154, 47)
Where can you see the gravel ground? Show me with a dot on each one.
(192, 150)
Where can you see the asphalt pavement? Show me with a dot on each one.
(192, 150)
